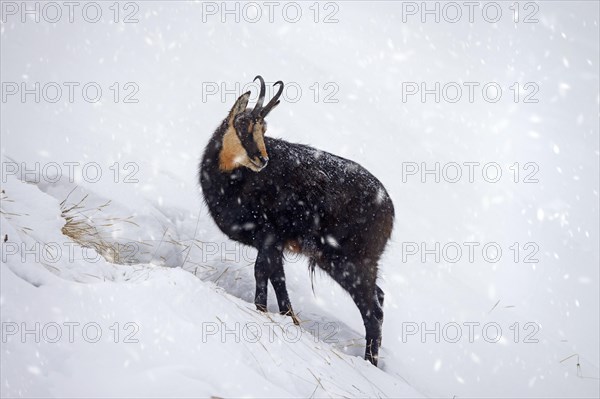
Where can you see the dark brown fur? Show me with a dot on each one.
(309, 201)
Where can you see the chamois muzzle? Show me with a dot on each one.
(259, 163)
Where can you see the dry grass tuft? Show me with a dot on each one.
(82, 229)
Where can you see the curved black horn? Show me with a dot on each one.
(261, 96)
(274, 101)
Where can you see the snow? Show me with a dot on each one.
(174, 302)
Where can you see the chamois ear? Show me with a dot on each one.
(240, 105)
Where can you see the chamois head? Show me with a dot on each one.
(244, 139)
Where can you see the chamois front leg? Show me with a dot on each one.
(269, 266)
(269, 257)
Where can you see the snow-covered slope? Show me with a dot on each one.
(144, 330)
(181, 293)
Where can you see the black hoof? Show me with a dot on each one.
(261, 308)
(372, 358)
(290, 313)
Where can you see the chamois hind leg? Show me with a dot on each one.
(283, 299)
(380, 295)
(377, 314)
(359, 281)
(372, 314)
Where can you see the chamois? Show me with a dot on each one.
(278, 196)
